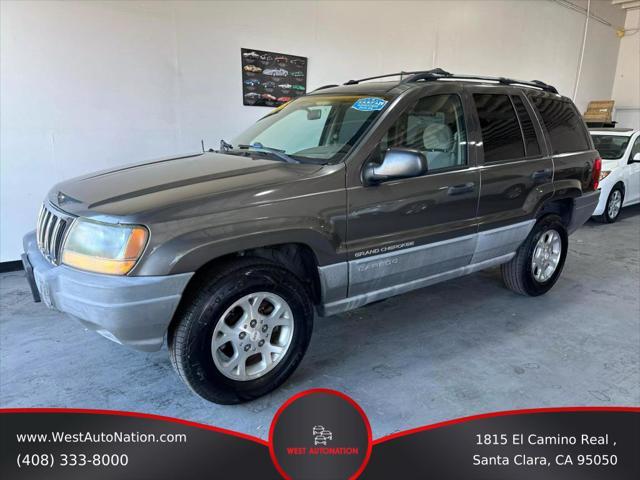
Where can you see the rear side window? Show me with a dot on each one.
(565, 127)
(501, 137)
(528, 131)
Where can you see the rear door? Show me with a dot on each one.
(408, 229)
(516, 170)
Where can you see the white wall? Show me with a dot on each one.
(87, 85)
(83, 86)
(626, 87)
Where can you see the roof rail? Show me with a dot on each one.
(438, 74)
(323, 87)
(397, 74)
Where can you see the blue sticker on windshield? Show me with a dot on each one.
(369, 104)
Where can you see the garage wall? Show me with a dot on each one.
(626, 87)
(522, 39)
(89, 85)
(84, 86)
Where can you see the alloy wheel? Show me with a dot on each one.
(615, 203)
(252, 336)
(546, 256)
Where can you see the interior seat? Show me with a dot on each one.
(438, 140)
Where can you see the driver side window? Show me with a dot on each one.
(636, 148)
(435, 127)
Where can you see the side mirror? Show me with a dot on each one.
(636, 158)
(397, 163)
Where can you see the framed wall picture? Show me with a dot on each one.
(270, 79)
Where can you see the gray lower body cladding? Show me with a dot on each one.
(373, 278)
(583, 208)
(133, 311)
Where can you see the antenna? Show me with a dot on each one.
(202, 145)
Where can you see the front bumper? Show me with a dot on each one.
(133, 311)
(583, 207)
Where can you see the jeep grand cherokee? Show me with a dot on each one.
(342, 197)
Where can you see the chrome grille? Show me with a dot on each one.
(50, 232)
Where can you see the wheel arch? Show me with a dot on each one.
(621, 184)
(563, 207)
(297, 257)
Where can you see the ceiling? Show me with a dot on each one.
(627, 4)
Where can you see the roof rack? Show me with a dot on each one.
(397, 74)
(323, 87)
(439, 74)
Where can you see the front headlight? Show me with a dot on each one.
(104, 248)
(604, 174)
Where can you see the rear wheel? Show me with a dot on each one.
(613, 207)
(539, 260)
(243, 332)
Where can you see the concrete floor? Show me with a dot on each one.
(462, 347)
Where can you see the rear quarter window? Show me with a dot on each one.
(566, 129)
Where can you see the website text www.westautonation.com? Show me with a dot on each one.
(102, 437)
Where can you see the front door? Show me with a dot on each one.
(402, 231)
(632, 183)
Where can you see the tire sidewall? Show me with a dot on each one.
(211, 383)
(550, 222)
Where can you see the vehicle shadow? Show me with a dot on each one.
(625, 214)
(631, 211)
(415, 333)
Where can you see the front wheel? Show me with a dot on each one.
(242, 332)
(613, 207)
(539, 260)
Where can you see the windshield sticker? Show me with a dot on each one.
(369, 104)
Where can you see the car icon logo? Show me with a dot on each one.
(321, 435)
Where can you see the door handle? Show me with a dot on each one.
(541, 174)
(460, 189)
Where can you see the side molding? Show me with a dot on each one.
(478, 252)
(357, 301)
(501, 241)
(334, 281)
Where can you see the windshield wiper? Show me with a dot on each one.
(261, 148)
(224, 146)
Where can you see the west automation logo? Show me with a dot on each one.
(320, 434)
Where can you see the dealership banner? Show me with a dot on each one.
(322, 434)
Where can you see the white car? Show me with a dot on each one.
(276, 72)
(620, 176)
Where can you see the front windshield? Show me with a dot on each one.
(611, 147)
(317, 128)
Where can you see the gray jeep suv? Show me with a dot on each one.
(342, 197)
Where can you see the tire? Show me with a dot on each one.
(611, 212)
(223, 297)
(521, 275)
